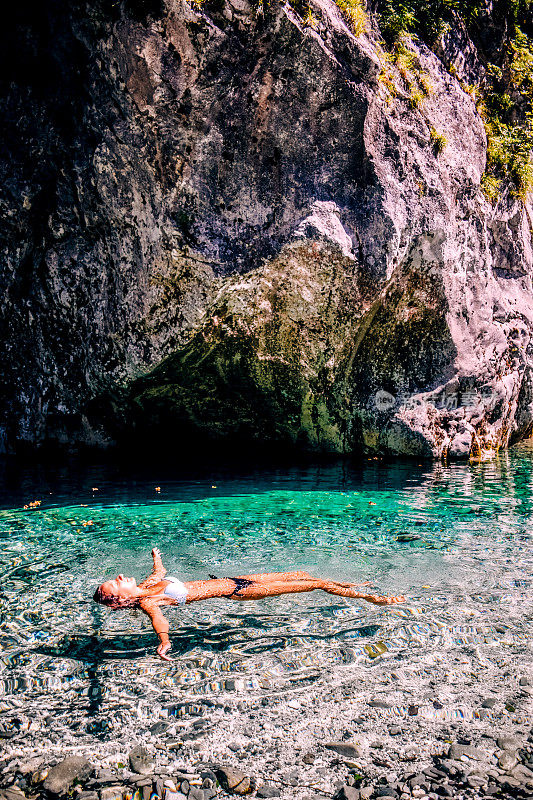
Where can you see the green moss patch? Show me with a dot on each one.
(504, 96)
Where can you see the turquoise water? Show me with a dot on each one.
(455, 539)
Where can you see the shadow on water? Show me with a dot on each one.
(70, 479)
(63, 483)
(93, 650)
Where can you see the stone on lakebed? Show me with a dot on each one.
(346, 749)
(234, 781)
(61, 777)
(142, 761)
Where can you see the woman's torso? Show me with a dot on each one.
(175, 589)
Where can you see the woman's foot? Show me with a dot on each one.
(383, 600)
(347, 590)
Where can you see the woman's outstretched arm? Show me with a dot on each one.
(158, 572)
(160, 625)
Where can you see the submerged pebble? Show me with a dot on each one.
(141, 760)
(62, 776)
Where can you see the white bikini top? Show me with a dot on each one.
(175, 589)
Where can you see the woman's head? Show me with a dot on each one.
(119, 593)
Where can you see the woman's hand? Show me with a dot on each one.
(162, 651)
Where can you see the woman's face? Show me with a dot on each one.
(120, 587)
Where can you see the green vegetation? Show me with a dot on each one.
(415, 99)
(429, 19)
(387, 81)
(355, 14)
(401, 60)
(508, 156)
(504, 97)
(507, 110)
(303, 9)
(308, 19)
(438, 140)
(353, 11)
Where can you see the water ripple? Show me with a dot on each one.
(456, 540)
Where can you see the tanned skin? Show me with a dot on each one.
(149, 595)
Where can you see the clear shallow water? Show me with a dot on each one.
(456, 540)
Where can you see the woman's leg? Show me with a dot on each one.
(258, 591)
(269, 577)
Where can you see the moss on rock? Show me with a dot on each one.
(264, 367)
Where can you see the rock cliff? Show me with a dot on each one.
(222, 221)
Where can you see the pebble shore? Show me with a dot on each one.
(309, 746)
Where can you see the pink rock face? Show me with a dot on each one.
(250, 212)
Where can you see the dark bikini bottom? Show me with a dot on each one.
(240, 583)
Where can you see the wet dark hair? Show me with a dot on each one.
(113, 600)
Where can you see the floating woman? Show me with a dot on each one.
(158, 590)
